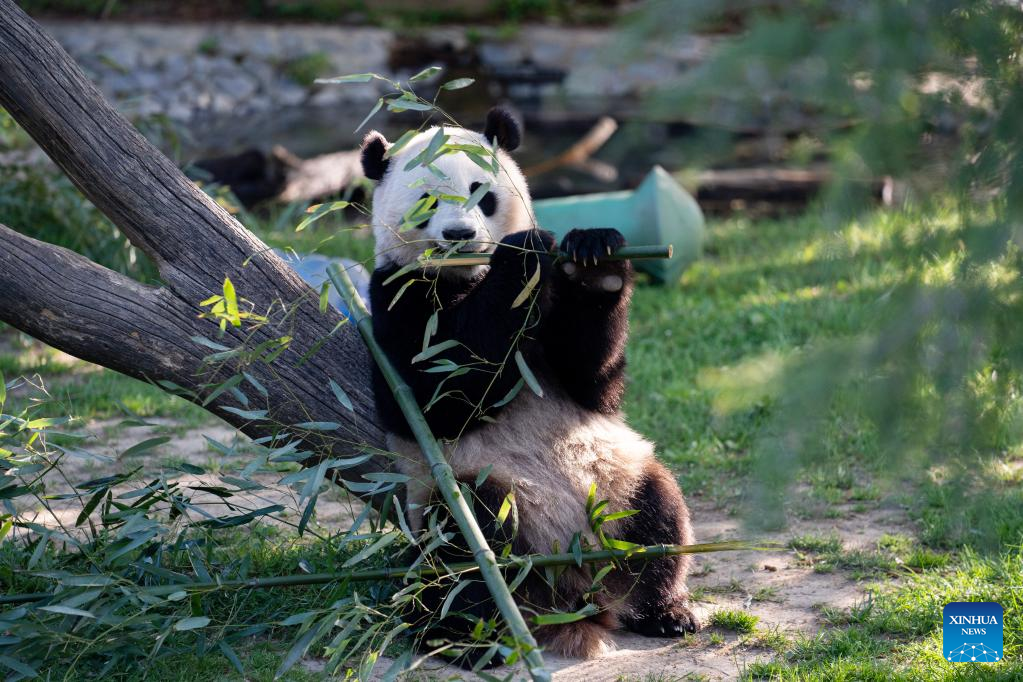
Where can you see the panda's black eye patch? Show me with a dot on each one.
(488, 204)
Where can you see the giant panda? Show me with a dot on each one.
(549, 449)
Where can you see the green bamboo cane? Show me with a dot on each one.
(647, 553)
(445, 478)
(624, 253)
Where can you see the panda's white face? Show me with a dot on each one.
(504, 208)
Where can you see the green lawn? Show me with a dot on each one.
(707, 359)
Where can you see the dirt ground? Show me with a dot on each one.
(784, 592)
(777, 586)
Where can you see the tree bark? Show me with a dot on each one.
(147, 332)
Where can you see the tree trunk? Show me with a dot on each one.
(148, 332)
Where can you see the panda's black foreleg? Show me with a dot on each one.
(587, 326)
(656, 597)
(472, 602)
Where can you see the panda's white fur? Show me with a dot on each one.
(400, 189)
(549, 450)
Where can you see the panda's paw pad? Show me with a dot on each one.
(677, 621)
(586, 247)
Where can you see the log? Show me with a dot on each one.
(147, 332)
(281, 176)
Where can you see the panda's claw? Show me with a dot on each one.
(586, 246)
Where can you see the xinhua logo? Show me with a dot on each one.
(972, 632)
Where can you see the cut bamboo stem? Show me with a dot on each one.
(647, 553)
(445, 478)
(624, 253)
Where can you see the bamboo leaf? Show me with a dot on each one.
(434, 350)
(620, 515)
(298, 649)
(400, 143)
(527, 374)
(404, 270)
(89, 507)
(3, 389)
(144, 446)
(523, 573)
(192, 623)
(506, 506)
(252, 415)
(350, 78)
(231, 299)
(476, 196)
(408, 103)
(458, 83)
(230, 655)
(209, 344)
(601, 574)
(428, 72)
(255, 384)
(324, 296)
(19, 667)
(317, 211)
(66, 610)
(307, 514)
(483, 474)
(448, 600)
(421, 211)
(318, 426)
(530, 285)
(430, 329)
(510, 396)
(380, 544)
(341, 396)
(371, 114)
(225, 386)
(562, 618)
(401, 291)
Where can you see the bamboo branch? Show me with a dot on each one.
(647, 553)
(624, 253)
(445, 478)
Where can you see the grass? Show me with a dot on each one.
(742, 622)
(706, 361)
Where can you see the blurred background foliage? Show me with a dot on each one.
(926, 95)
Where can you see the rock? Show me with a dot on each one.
(288, 93)
(123, 55)
(239, 86)
(149, 80)
(176, 69)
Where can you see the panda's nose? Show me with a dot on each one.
(458, 234)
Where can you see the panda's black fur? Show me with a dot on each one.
(572, 333)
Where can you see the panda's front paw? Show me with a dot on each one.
(676, 621)
(582, 251)
(586, 247)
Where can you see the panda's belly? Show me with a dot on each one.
(549, 451)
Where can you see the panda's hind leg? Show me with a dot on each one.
(655, 595)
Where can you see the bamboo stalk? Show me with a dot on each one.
(445, 478)
(647, 553)
(624, 253)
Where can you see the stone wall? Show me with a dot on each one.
(187, 71)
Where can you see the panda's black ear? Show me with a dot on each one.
(374, 165)
(503, 127)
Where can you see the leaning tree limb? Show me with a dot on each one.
(146, 332)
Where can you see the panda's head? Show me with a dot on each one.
(405, 188)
